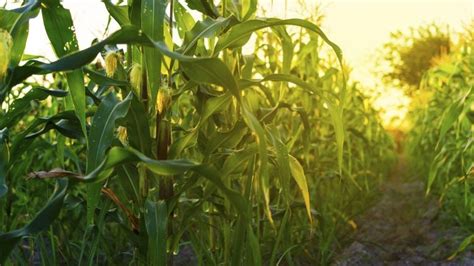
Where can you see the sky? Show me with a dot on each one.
(359, 27)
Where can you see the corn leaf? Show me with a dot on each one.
(42, 221)
(119, 156)
(297, 172)
(60, 30)
(153, 15)
(4, 158)
(119, 13)
(100, 139)
(156, 220)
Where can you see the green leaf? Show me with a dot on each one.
(19, 43)
(68, 127)
(244, 83)
(100, 138)
(206, 7)
(41, 222)
(338, 123)
(259, 131)
(60, 30)
(200, 70)
(8, 18)
(214, 105)
(237, 160)
(20, 107)
(239, 34)
(227, 140)
(207, 28)
(211, 71)
(65, 123)
(182, 143)
(4, 158)
(464, 244)
(119, 13)
(102, 127)
(136, 122)
(103, 80)
(156, 220)
(249, 7)
(451, 115)
(211, 106)
(118, 156)
(19, 31)
(17, 24)
(153, 15)
(283, 164)
(184, 20)
(254, 247)
(20, 144)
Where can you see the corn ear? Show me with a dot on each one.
(163, 100)
(136, 78)
(111, 63)
(6, 43)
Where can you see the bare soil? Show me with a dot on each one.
(403, 228)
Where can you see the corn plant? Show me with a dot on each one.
(444, 134)
(179, 140)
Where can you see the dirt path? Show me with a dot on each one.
(402, 229)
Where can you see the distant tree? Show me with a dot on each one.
(410, 55)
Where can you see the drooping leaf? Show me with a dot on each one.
(239, 34)
(118, 156)
(69, 127)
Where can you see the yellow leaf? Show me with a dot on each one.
(352, 224)
(298, 174)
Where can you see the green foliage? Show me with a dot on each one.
(410, 55)
(241, 158)
(442, 140)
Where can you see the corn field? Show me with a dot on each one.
(444, 137)
(222, 138)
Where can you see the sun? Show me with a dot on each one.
(393, 106)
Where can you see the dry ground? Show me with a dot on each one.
(403, 228)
